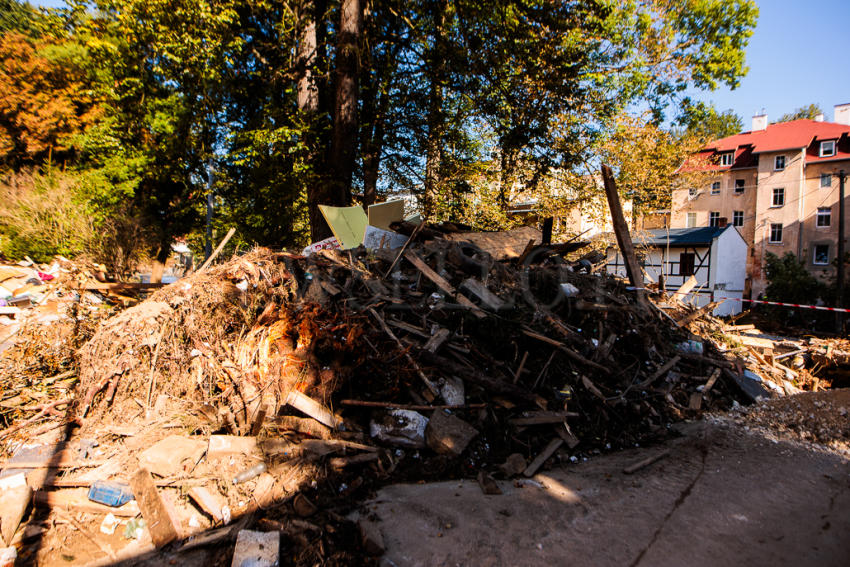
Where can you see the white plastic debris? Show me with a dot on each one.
(569, 289)
(400, 427)
(109, 523)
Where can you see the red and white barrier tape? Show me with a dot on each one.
(818, 307)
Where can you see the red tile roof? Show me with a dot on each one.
(784, 136)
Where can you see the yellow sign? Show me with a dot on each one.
(347, 223)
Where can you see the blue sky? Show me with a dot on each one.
(797, 56)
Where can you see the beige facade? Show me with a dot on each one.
(789, 200)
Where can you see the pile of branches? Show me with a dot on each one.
(525, 350)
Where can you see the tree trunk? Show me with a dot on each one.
(344, 139)
(308, 104)
(376, 102)
(436, 118)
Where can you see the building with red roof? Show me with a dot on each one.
(778, 184)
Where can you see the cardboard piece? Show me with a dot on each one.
(381, 215)
(375, 238)
(347, 223)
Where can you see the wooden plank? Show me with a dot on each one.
(413, 407)
(487, 297)
(550, 449)
(77, 500)
(541, 418)
(314, 409)
(754, 342)
(660, 372)
(501, 245)
(441, 282)
(207, 502)
(437, 339)
(631, 469)
(217, 250)
(162, 522)
(624, 239)
(561, 346)
(689, 318)
(121, 286)
(685, 289)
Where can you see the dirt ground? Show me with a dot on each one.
(750, 488)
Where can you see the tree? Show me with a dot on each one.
(808, 112)
(707, 124)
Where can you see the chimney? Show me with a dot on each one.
(759, 122)
(722, 222)
(842, 114)
(819, 117)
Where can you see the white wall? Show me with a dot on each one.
(729, 262)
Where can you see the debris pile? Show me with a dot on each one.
(276, 390)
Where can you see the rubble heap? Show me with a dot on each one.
(276, 390)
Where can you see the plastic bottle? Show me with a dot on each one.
(110, 493)
(248, 474)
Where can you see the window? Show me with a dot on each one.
(778, 197)
(713, 218)
(824, 216)
(739, 186)
(779, 163)
(686, 264)
(737, 218)
(715, 188)
(727, 158)
(826, 180)
(692, 192)
(775, 233)
(821, 256)
(692, 220)
(827, 148)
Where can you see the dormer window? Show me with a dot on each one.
(827, 148)
(726, 158)
(779, 163)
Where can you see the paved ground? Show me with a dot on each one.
(724, 496)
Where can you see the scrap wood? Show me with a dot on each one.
(697, 313)
(437, 339)
(162, 521)
(217, 250)
(427, 381)
(441, 283)
(413, 234)
(412, 407)
(542, 417)
(711, 381)
(521, 367)
(77, 500)
(561, 346)
(684, 289)
(362, 458)
(633, 468)
(503, 245)
(489, 383)
(314, 409)
(660, 372)
(550, 449)
(487, 297)
(47, 408)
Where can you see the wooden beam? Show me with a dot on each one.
(624, 239)
(441, 282)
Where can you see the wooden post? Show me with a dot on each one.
(624, 239)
